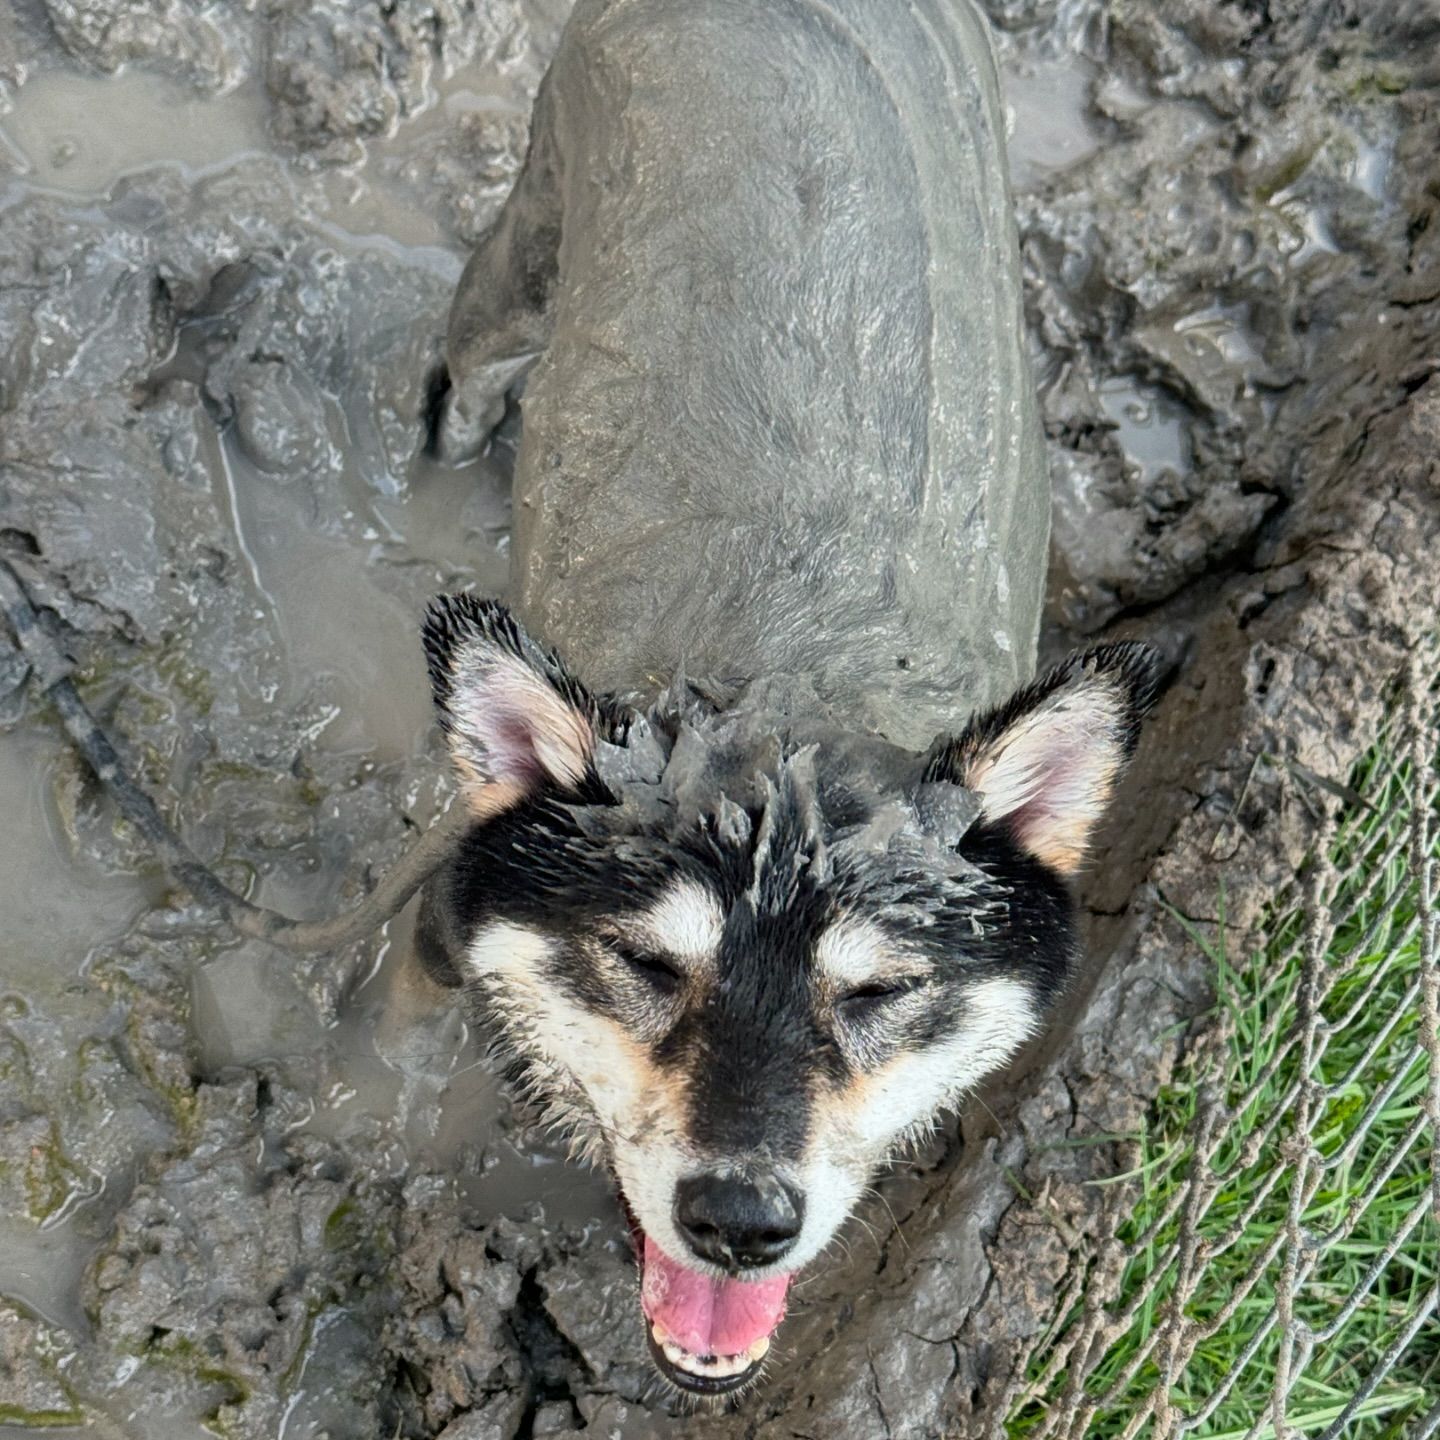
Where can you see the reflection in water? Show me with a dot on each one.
(1149, 425)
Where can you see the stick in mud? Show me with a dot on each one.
(50, 673)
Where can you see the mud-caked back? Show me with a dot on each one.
(783, 422)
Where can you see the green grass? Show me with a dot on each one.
(1370, 1129)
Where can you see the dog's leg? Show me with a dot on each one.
(501, 317)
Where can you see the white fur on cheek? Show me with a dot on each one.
(1000, 1015)
(546, 1025)
(831, 1191)
(648, 1174)
(504, 949)
(642, 1139)
(852, 1138)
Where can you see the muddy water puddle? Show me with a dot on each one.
(329, 584)
(78, 134)
(1052, 125)
(58, 905)
(81, 133)
(1149, 425)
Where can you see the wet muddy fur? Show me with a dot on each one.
(781, 512)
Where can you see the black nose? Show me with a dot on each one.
(740, 1224)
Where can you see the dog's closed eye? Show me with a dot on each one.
(656, 970)
(869, 999)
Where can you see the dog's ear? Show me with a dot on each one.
(514, 717)
(1045, 763)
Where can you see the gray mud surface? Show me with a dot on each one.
(246, 1196)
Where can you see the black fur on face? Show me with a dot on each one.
(741, 937)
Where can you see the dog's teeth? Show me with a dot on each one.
(710, 1367)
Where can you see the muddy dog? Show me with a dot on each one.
(744, 924)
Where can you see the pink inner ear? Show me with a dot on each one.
(512, 727)
(1050, 775)
(512, 750)
(1063, 783)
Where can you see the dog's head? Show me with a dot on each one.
(742, 955)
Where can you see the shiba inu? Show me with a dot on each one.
(771, 851)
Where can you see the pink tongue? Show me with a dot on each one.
(707, 1316)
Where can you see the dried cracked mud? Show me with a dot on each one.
(248, 1196)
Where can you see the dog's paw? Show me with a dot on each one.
(460, 422)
